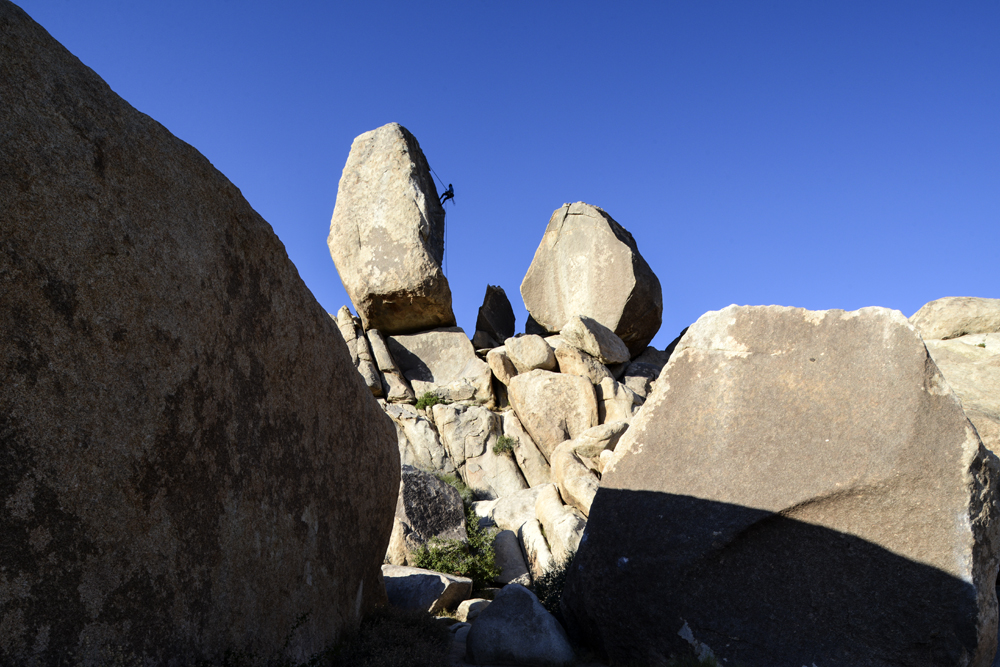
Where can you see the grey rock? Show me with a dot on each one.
(496, 317)
(530, 352)
(530, 459)
(443, 362)
(511, 511)
(614, 285)
(394, 384)
(469, 434)
(971, 365)
(639, 377)
(563, 525)
(553, 407)
(387, 235)
(483, 341)
(190, 460)
(517, 630)
(956, 316)
(419, 443)
(425, 508)
(357, 345)
(509, 558)
(817, 499)
(590, 336)
(468, 610)
(615, 402)
(417, 588)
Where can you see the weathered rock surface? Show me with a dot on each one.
(590, 336)
(593, 442)
(553, 407)
(417, 588)
(469, 434)
(530, 352)
(387, 235)
(509, 559)
(426, 507)
(563, 524)
(418, 441)
(394, 385)
(496, 317)
(470, 609)
(511, 512)
(639, 379)
(501, 365)
(517, 630)
(971, 365)
(577, 483)
(794, 506)
(588, 264)
(615, 402)
(530, 460)
(357, 345)
(956, 316)
(536, 549)
(444, 362)
(577, 362)
(189, 459)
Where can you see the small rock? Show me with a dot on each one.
(536, 548)
(516, 629)
(592, 337)
(577, 362)
(530, 352)
(577, 484)
(501, 365)
(615, 402)
(469, 609)
(417, 588)
(563, 525)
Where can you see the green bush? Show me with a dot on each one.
(549, 586)
(504, 445)
(427, 400)
(456, 482)
(476, 559)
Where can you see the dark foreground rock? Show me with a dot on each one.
(189, 460)
(800, 488)
(515, 629)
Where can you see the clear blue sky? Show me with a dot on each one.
(814, 154)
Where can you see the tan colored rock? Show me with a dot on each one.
(511, 511)
(563, 525)
(577, 362)
(501, 365)
(553, 407)
(956, 316)
(394, 385)
(190, 459)
(588, 264)
(536, 549)
(443, 362)
(420, 589)
(530, 459)
(387, 235)
(509, 559)
(615, 402)
(426, 508)
(530, 352)
(971, 365)
(354, 336)
(593, 442)
(816, 498)
(577, 484)
(418, 440)
(469, 609)
(590, 336)
(469, 434)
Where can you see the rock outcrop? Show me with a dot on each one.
(587, 264)
(426, 508)
(496, 317)
(956, 316)
(426, 590)
(387, 235)
(191, 461)
(801, 487)
(553, 407)
(443, 362)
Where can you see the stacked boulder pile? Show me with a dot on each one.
(778, 486)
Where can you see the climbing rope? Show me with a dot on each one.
(445, 249)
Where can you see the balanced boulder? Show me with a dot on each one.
(191, 462)
(387, 235)
(800, 488)
(587, 264)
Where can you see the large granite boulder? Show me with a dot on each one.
(425, 590)
(470, 434)
(800, 488)
(190, 461)
(588, 264)
(387, 235)
(496, 317)
(444, 363)
(553, 407)
(418, 440)
(426, 508)
(956, 316)
(515, 629)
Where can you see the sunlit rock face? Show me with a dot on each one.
(189, 461)
(799, 488)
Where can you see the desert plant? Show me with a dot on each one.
(504, 445)
(981, 345)
(427, 400)
(549, 586)
(475, 559)
(456, 482)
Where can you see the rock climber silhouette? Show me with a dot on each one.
(448, 194)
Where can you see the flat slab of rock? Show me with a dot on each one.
(515, 629)
(971, 365)
(792, 506)
(387, 235)
(191, 461)
(443, 362)
(417, 588)
(956, 316)
(588, 264)
(553, 407)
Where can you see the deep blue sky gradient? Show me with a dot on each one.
(814, 154)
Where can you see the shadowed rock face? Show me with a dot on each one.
(188, 459)
(800, 487)
(387, 235)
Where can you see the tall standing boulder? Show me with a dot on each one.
(387, 235)
(189, 461)
(800, 488)
(496, 317)
(588, 264)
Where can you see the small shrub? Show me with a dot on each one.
(476, 560)
(456, 482)
(427, 400)
(549, 586)
(504, 445)
(981, 345)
